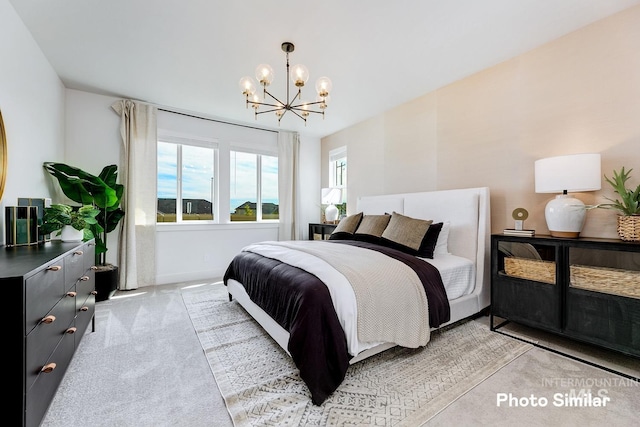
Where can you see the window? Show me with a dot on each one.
(186, 181)
(253, 191)
(338, 174)
(211, 172)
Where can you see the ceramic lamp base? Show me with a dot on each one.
(331, 213)
(565, 216)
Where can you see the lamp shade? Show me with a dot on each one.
(566, 214)
(331, 196)
(572, 173)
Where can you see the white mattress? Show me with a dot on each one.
(458, 274)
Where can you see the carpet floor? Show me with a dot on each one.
(400, 387)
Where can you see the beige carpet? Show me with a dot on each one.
(400, 387)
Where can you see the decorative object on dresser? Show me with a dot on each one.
(41, 204)
(586, 289)
(56, 281)
(519, 215)
(72, 224)
(628, 205)
(105, 194)
(566, 214)
(21, 225)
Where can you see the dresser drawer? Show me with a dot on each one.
(42, 291)
(44, 338)
(85, 287)
(89, 256)
(84, 316)
(43, 389)
(73, 267)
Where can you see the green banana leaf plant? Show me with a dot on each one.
(101, 192)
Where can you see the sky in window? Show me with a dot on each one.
(197, 170)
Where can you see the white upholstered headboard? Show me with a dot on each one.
(468, 212)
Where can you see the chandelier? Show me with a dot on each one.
(299, 76)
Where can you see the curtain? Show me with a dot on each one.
(137, 245)
(288, 164)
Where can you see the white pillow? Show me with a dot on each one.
(443, 238)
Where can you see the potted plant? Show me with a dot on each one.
(71, 224)
(104, 194)
(627, 205)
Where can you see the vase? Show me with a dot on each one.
(70, 234)
(629, 228)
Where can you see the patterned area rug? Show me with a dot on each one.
(399, 387)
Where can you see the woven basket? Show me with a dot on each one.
(531, 269)
(629, 228)
(608, 280)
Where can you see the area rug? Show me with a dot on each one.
(399, 387)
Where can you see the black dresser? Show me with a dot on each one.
(56, 283)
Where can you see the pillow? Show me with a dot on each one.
(346, 227)
(428, 245)
(406, 232)
(371, 228)
(442, 246)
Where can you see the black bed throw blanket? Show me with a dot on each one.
(301, 304)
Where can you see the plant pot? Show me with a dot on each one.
(629, 228)
(106, 281)
(70, 234)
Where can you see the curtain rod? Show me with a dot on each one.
(214, 120)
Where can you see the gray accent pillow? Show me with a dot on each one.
(406, 231)
(346, 227)
(373, 225)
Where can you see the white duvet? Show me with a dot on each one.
(458, 276)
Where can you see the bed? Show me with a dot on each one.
(330, 304)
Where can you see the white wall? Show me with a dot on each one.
(183, 253)
(32, 105)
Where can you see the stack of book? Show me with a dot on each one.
(514, 232)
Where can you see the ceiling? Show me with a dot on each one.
(189, 55)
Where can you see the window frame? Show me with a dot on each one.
(222, 179)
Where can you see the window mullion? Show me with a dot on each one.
(179, 183)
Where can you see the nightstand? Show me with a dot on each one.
(324, 230)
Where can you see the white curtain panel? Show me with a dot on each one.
(288, 164)
(137, 246)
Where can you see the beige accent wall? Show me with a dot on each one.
(577, 94)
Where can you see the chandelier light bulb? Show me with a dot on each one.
(264, 74)
(247, 86)
(299, 75)
(256, 100)
(323, 86)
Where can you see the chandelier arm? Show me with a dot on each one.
(272, 110)
(275, 99)
(294, 109)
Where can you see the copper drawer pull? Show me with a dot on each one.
(84, 278)
(54, 268)
(78, 252)
(48, 368)
(49, 319)
(84, 308)
(71, 330)
(72, 294)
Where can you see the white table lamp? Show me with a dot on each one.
(565, 214)
(331, 196)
